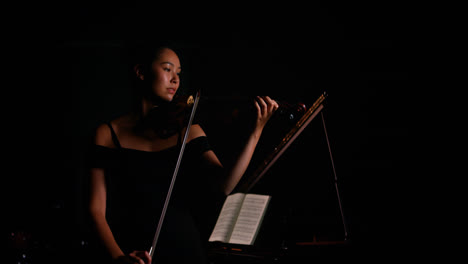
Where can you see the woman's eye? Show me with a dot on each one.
(167, 69)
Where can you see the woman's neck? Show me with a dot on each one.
(149, 104)
(156, 117)
(146, 106)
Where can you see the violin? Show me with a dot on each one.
(285, 108)
(168, 118)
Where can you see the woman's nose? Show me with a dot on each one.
(175, 78)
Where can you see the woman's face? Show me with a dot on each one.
(165, 75)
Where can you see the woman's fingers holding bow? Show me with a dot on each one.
(140, 257)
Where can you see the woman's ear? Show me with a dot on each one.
(139, 72)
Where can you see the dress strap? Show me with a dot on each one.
(114, 136)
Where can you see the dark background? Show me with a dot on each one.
(66, 76)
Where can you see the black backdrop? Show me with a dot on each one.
(67, 76)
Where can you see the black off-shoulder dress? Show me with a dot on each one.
(137, 184)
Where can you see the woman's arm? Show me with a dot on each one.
(98, 194)
(97, 208)
(265, 108)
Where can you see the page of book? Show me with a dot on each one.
(249, 219)
(226, 219)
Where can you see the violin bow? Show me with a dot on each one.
(174, 176)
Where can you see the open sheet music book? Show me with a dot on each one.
(240, 218)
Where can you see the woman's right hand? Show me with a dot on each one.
(136, 257)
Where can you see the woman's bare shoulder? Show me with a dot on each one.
(103, 134)
(196, 131)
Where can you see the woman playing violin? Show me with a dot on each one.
(132, 162)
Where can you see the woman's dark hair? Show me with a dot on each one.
(144, 53)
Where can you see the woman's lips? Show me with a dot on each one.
(171, 90)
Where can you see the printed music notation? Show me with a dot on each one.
(240, 218)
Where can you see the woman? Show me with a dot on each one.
(133, 162)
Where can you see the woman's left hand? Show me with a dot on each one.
(265, 109)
